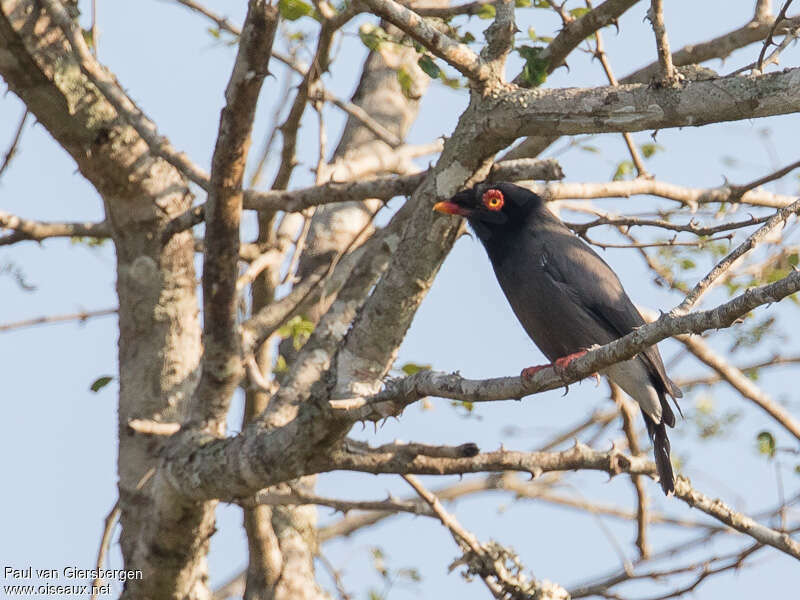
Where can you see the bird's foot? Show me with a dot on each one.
(529, 372)
(560, 364)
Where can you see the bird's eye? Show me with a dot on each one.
(493, 199)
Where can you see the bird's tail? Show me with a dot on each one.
(658, 435)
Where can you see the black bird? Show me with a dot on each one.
(566, 297)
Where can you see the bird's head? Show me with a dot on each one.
(492, 207)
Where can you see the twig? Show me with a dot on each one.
(690, 197)
(774, 56)
(775, 361)
(93, 29)
(656, 16)
(768, 42)
(300, 244)
(336, 576)
(82, 316)
(578, 30)
(740, 190)
(105, 540)
(566, 18)
(12, 149)
(642, 517)
(445, 12)
(358, 113)
(704, 570)
(147, 427)
(266, 148)
(779, 218)
(741, 383)
(25, 229)
(627, 137)
(690, 227)
(488, 561)
(457, 55)
(668, 243)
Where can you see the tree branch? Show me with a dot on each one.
(242, 465)
(638, 107)
(82, 317)
(383, 187)
(656, 16)
(578, 30)
(222, 368)
(577, 457)
(106, 83)
(690, 197)
(457, 55)
(27, 230)
(398, 393)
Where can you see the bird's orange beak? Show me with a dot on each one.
(451, 208)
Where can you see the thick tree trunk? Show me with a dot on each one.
(159, 342)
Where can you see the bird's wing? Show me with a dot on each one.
(591, 283)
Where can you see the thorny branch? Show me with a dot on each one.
(578, 457)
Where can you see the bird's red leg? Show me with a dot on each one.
(529, 372)
(559, 364)
(562, 363)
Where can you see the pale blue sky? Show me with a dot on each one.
(59, 439)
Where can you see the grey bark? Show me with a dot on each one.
(159, 342)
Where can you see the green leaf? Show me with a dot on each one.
(535, 71)
(409, 573)
(766, 443)
(650, 149)
(538, 38)
(88, 37)
(467, 38)
(411, 368)
(372, 36)
(624, 169)
(291, 10)
(522, 3)
(430, 68)
(280, 365)
(792, 259)
(101, 382)
(214, 32)
(487, 11)
(406, 82)
(451, 82)
(298, 329)
(751, 374)
(541, 4)
(92, 242)
(578, 12)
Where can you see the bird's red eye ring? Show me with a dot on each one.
(493, 199)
